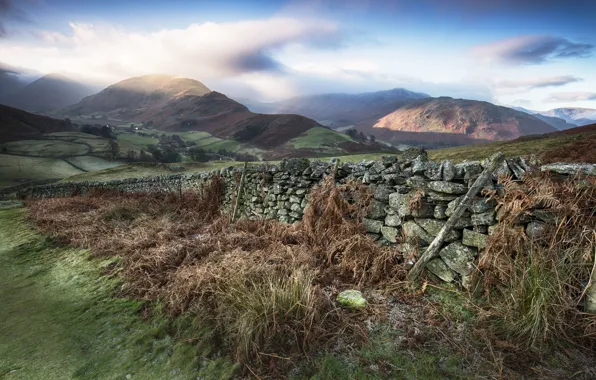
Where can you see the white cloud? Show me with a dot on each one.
(203, 51)
(531, 83)
(576, 96)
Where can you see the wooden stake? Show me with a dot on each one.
(240, 188)
(435, 246)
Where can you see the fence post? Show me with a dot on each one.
(435, 246)
(240, 188)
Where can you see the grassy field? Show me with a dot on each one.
(92, 163)
(43, 148)
(319, 138)
(136, 140)
(60, 320)
(15, 170)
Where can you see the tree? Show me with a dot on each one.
(198, 154)
(373, 138)
(114, 149)
(362, 137)
(131, 156)
(145, 157)
(106, 132)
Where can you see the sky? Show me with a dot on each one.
(536, 54)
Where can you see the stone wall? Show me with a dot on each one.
(412, 199)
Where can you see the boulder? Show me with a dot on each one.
(381, 193)
(351, 299)
(415, 234)
(448, 187)
(401, 204)
(459, 258)
(420, 164)
(393, 220)
(371, 225)
(570, 169)
(448, 170)
(433, 227)
(440, 211)
(486, 218)
(474, 239)
(433, 171)
(389, 233)
(440, 269)
(376, 210)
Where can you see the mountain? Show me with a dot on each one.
(130, 97)
(574, 115)
(446, 121)
(341, 111)
(557, 122)
(48, 93)
(13, 79)
(16, 124)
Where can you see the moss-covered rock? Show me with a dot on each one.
(352, 299)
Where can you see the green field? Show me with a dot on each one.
(319, 138)
(15, 170)
(136, 140)
(61, 321)
(92, 163)
(42, 148)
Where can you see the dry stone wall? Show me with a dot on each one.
(413, 197)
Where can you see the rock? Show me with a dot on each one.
(480, 205)
(433, 171)
(382, 193)
(440, 269)
(570, 169)
(294, 166)
(536, 230)
(502, 170)
(393, 179)
(516, 168)
(440, 211)
(277, 189)
(447, 187)
(371, 225)
(440, 197)
(372, 236)
(433, 227)
(485, 218)
(296, 207)
(459, 258)
(412, 153)
(545, 216)
(416, 182)
(415, 234)
(375, 210)
(389, 233)
(389, 160)
(448, 170)
(300, 191)
(393, 220)
(383, 242)
(420, 164)
(352, 299)
(474, 239)
(451, 206)
(469, 170)
(401, 204)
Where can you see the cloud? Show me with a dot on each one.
(203, 51)
(9, 12)
(533, 83)
(576, 96)
(532, 50)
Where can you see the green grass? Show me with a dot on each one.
(15, 170)
(92, 163)
(60, 320)
(319, 138)
(49, 147)
(136, 140)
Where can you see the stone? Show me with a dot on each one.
(420, 164)
(300, 191)
(381, 193)
(295, 199)
(570, 169)
(545, 216)
(284, 219)
(469, 170)
(371, 225)
(296, 207)
(393, 220)
(474, 239)
(376, 210)
(389, 233)
(417, 182)
(485, 218)
(296, 215)
(459, 258)
(294, 166)
(463, 222)
(351, 299)
(433, 171)
(480, 205)
(448, 187)
(393, 179)
(440, 211)
(451, 206)
(502, 170)
(401, 204)
(389, 160)
(277, 189)
(411, 153)
(440, 197)
(438, 267)
(448, 170)
(415, 234)
(383, 242)
(536, 230)
(373, 237)
(433, 227)
(516, 168)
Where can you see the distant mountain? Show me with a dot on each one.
(342, 110)
(525, 110)
(446, 121)
(13, 79)
(557, 122)
(48, 93)
(574, 115)
(131, 97)
(16, 124)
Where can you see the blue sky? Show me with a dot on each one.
(539, 54)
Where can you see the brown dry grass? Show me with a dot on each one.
(264, 286)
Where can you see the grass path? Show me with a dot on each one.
(59, 320)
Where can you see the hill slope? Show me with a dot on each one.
(447, 121)
(48, 93)
(574, 115)
(16, 124)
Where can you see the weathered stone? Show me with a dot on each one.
(382, 193)
(296, 207)
(459, 258)
(448, 170)
(371, 225)
(451, 206)
(516, 168)
(296, 215)
(393, 220)
(372, 236)
(294, 166)
(389, 160)
(401, 204)
(351, 299)
(440, 197)
(438, 267)
(485, 218)
(470, 170)
(417, 182)
(393, 179)
(419, 164)
(376, 210)
(502, 170)
(295, 199)
(447, 187)
(300, 191)
(433, 227)
(415, 234)
(389, 233)
(277, 189)
(463, 222)
(440, 211)
(545, 216)
(284, 219)
(536, 230)
(570, 169)
(474, 239)
(433, 171)
(480, 205)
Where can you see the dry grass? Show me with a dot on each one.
(537, 283)
(264, 286)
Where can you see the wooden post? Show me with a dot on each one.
(435, 246)
(240, 188)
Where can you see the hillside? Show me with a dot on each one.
(129, 98)
(16, 124)
(574, 115)
(50, 92)
(342, 110)
(448, 121)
